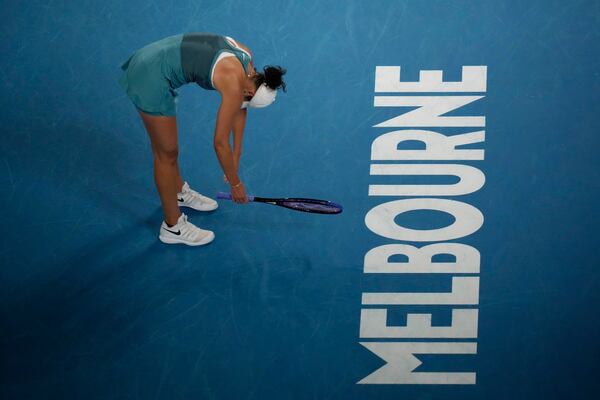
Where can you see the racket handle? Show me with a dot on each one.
(227, 196)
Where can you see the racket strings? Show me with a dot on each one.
(313, 206)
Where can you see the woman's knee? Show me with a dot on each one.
(166, 155)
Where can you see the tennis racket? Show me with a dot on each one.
(298, 204)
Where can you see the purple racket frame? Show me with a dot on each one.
(314, 206)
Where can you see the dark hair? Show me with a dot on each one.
(272, 76)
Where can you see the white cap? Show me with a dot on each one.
(263, 97)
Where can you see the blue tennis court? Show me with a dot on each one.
(461, 138)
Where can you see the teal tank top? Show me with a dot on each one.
(153, 73)
(199, 53)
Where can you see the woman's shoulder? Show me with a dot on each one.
(227, 70)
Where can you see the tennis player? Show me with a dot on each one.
(151, 76)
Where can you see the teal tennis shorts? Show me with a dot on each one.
(152, 74)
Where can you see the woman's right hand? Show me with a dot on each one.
(238, 193)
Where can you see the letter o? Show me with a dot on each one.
(380, 220)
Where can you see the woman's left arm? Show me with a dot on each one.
(239, 122)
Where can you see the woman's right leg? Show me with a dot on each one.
(163, 136)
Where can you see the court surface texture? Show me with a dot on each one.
(470, 127)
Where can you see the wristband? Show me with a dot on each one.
(238, 185)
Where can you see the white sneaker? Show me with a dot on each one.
(192, 199)
(185, 232)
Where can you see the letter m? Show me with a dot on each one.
(400, 363)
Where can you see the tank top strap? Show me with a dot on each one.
(242, 55)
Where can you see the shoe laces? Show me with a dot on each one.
(192, 194)
(189, 230)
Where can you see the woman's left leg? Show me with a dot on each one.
(163, 136)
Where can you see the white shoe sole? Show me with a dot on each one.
(181, 204)
(206, 240)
